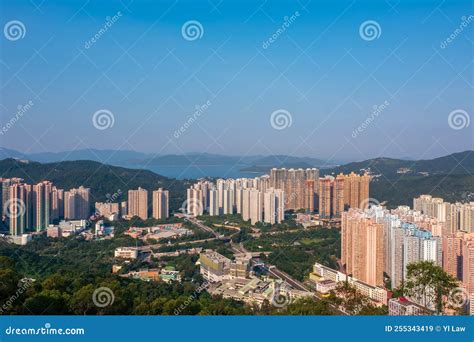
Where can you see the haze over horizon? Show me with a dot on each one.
(321, 76)
(151, 154)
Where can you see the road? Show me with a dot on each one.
(158, 245)
(275, 272)
(203, 227)
(240, 249)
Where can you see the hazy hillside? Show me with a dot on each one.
(131, 158)
(456, 163)
(101, 178)
(452, 188)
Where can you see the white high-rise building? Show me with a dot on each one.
(411, 252)
(213, 202)
(220, 190)
(238, 200)
(395, 256)
(273, 206)
(455, 216)
(431, 250)
(228, 202)
(421, 246)
(270, 207)
(243, 196)
(160, 204)
(246, 204)
(194, 203)
(255, 206)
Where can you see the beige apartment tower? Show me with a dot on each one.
(294, 182)
(160, 204)
(468, 262)
(362, 247)
(356, 190)
(324, 199)
(77, 204)
(331, 196)
(138, 203)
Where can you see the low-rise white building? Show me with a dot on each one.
(126, 253)
(322, 273)
(404, 307)
(325, 286)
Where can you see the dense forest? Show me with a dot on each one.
(63, 281)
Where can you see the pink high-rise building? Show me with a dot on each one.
(468, 262)
(362, 247)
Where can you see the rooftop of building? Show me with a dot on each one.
(214, 256)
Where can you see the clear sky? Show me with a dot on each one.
(321, 69)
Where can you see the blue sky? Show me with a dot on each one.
(320, 70)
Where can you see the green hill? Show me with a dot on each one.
(451, 188)
(456, 163)
(103, 179)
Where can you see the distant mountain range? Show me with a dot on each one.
(139, 159)
(247, 163)
(104, 156)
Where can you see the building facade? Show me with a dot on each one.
(138, 203)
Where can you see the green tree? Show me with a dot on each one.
(49, 302)
(351, 300)
(429, 283)
(56, 282)
(309, 306)
(81, 302)
(8, 283)
(6, 262)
